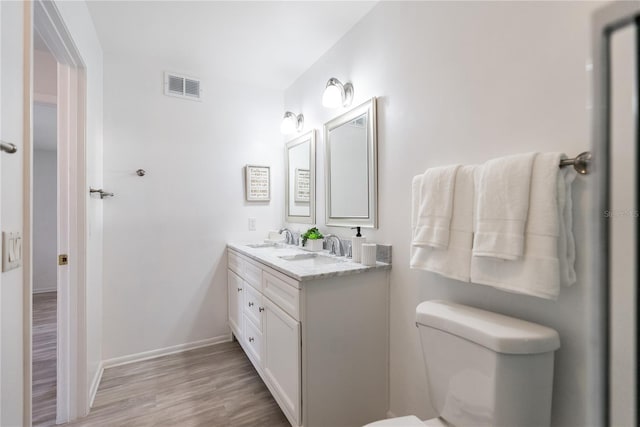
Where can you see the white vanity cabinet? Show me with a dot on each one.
(320, 344)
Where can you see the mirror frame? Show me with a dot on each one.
(370, 221)
(311, 219)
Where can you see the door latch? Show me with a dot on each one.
(63, 259)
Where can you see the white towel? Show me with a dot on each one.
(455, 261)
(566, 242)
(538, 272)
(435, 205)
(503, 204)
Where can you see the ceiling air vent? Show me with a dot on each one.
(182, 86)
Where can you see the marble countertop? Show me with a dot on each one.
(321, 266)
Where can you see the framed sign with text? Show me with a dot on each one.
(302, 185)
(258, 183)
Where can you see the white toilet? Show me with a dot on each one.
(483, 368)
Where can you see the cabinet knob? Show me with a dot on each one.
(250, 304)
(261, 309)
(239, 289)
(251, 339)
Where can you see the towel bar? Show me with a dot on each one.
(580, 163)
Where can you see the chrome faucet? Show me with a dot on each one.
(332, 249)
(289, 237)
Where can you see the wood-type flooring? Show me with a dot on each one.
(210, 386)
(44, 359)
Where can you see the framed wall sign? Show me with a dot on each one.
(302, 185)
(258, 183)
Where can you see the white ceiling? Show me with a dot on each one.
(263, 43)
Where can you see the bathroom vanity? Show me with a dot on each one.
(316, 328)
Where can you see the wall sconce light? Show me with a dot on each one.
(337, 94)
(291, 123)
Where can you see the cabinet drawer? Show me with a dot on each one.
(253, 306)
(234, 262)
(253, 341)
(253, 275)
(283, 294)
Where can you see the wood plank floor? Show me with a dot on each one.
(44, 359)
(210, 386)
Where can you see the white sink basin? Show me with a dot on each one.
(296, 257)
(260, 245)
(272, 245)
(312, 259)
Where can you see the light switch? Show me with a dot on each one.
(11, 250)
(252, 224)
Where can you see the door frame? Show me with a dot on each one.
(72, 400)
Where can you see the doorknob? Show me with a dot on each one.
(8, 147)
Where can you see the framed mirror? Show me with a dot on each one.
(300, 185)
(351, 168)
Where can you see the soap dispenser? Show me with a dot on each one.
(356, 245)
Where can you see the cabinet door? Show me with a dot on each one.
(235, 289)
(282, 358)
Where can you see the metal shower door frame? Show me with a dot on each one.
(605, 22)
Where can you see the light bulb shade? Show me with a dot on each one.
(291, 123)
(332, 96)
(336, 94)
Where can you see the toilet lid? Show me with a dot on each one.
(409, 421)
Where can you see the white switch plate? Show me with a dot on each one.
(11, 250)
(252, 224)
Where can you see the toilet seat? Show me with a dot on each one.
(409, 421)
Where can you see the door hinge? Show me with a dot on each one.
(63, 259)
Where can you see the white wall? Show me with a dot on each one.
(165, 233)
(80, 25)
(466, 82)
(45, 225)
(45, 176)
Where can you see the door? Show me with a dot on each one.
(623, 219)
(76, 378)
(14, 336)
(235, 287)
(616, 132)
(1, 37)
(282, 357)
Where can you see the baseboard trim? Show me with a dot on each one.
(152, 354)
(44, 291)
(95, 384)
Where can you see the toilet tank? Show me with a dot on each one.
(484, 368)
